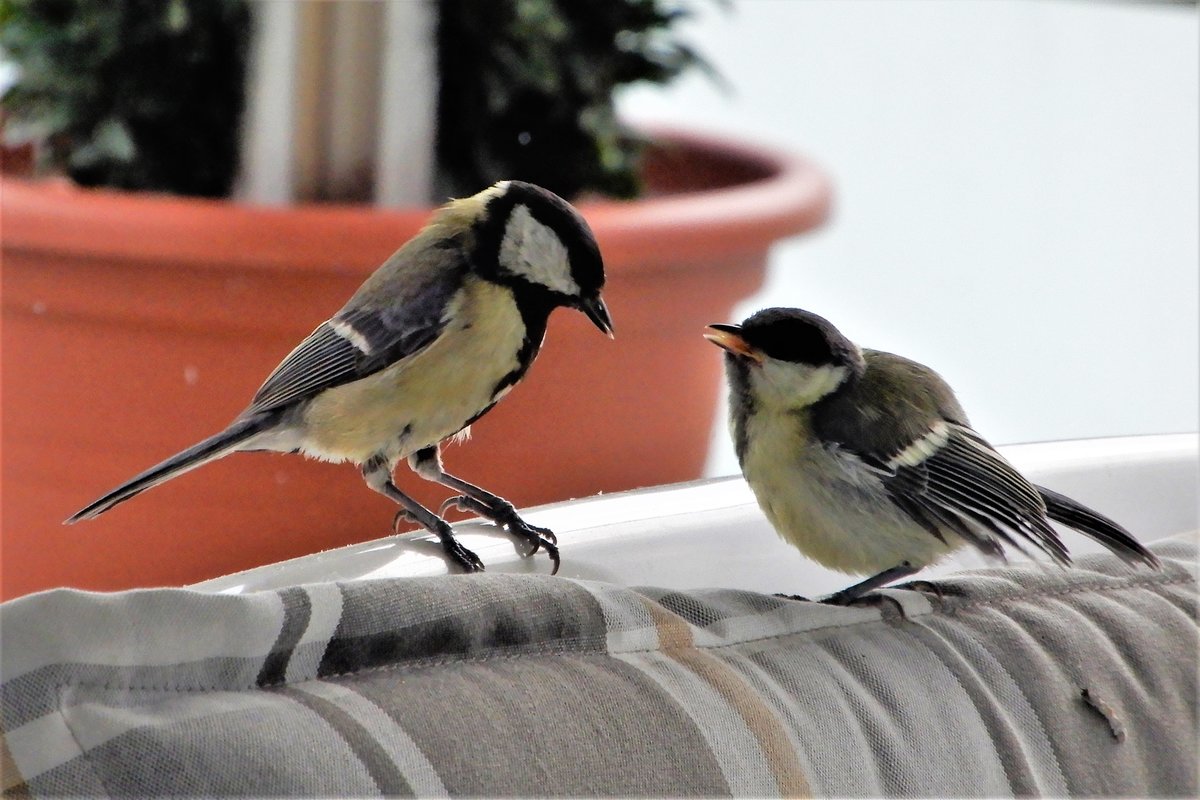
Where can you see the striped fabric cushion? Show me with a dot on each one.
(1017, 681)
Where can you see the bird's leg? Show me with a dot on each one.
(428, 464)
(851, 593)
(378, 474)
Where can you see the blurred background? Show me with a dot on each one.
(1006, 190)
(1016, 193)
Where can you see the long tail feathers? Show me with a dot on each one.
(1061, 508)
(200, 453)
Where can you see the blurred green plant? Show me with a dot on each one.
(135, 94)
(527, 89)
(148, 94)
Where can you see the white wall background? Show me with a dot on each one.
(1017, 193)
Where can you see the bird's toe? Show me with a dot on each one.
(467, 560)
(402, 517)
(462, 502)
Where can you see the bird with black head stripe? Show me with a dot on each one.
(427, 345)
(866, 462)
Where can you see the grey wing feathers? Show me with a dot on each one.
(965, 486)
(903, 421)
(959, 483)
(403, 312)
(326, 358)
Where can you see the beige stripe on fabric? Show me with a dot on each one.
(12, 783)
(676, 641)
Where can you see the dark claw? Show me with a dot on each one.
(458, 554)
(799, 597)
(403, 516)
(537, 538)
(545, 533)
(531, 532)
(536, 535)
(506, 516)
(463, 503)
(461, 555)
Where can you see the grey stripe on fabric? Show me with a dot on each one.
(386, 774)
(567, 724)
(1026, 751)
(297, 609)
(1132, 643)
(915, 716)
(388, 622)
(235, 744)
(418, 770)
(325, 611)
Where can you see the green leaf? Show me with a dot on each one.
(527, 89)
(177, 16)
(113, 140)
(140, 94)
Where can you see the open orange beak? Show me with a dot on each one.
(729, 338)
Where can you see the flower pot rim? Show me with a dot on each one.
(792, 195)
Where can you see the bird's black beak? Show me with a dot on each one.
(597, 312)
(729, 338)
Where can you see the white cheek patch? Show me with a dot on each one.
(797, 385)
(533, 251)
(824, 380)
(922, 448)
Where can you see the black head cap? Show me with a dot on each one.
(585, 264)
(799, 337)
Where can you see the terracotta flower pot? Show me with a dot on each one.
(134, 325)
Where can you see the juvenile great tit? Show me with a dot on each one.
(426, 346)
(866, 462)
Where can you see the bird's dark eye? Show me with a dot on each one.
(794, 340)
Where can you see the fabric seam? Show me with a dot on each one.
(84, 752)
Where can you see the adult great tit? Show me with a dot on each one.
(866, 462)
(426, 346)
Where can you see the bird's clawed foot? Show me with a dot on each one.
(454, 549)
(851, 593)
(857, 600)
(504, 514)
(459, 554)
(843, 598)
